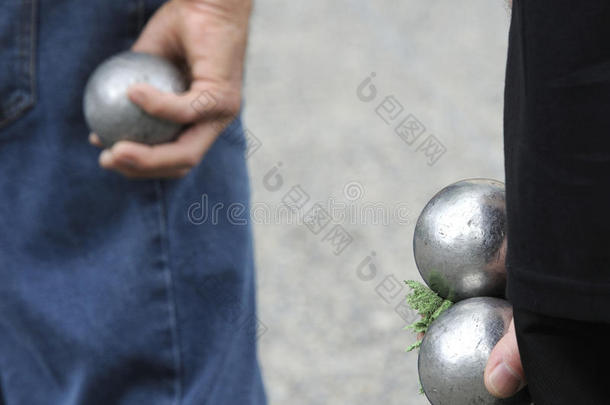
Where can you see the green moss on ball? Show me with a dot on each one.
(428, 304)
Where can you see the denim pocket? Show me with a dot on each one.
(17, 58)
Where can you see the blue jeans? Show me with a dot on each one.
(109, 292)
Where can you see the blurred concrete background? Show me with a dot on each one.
(333, 332)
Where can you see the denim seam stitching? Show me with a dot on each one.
(171, 302)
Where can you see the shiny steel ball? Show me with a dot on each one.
(109, 112)
(455, 350)
(460, 240)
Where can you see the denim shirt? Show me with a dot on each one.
(110, 292)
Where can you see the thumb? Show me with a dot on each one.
(504, 375)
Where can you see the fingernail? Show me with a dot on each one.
(106, 158)
(504, 381)
(126, 162)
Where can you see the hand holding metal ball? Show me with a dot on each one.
(459, 248)
(456, 348)
(109, 112)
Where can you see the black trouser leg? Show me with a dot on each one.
(566, 362)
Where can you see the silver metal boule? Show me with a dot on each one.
(460, 240)
(455, 350)
(112, 116)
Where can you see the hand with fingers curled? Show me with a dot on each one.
(208, 38)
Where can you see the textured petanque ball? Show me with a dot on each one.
(460, 240)
(109, 112)
(455, 350)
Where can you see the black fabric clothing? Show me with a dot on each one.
(557, 151)
(565, 361)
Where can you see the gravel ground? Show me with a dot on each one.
(328, 295)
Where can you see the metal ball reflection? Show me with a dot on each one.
(460, 240)
(455, 350)
(112, 116)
